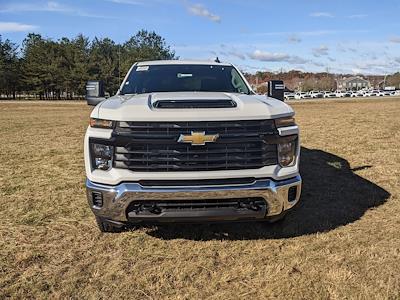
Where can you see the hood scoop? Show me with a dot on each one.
(194, 103)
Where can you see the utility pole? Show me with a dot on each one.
(384, 81)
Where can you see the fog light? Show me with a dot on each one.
(97, 198)
(292, 193)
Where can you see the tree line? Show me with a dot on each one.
(307, 81)
(46, 69)
(297, 79)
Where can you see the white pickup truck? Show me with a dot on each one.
(187, 141)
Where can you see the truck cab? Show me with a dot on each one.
(189, 141)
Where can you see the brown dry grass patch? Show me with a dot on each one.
(342, 241)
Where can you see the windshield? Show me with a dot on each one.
(184, 78)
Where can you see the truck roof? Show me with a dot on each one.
(182, 62)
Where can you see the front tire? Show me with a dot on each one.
(108, 227)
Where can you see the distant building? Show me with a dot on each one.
(353, 83)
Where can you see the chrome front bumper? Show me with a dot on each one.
(116, 199)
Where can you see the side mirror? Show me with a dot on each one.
(276, 89)
(94, 92)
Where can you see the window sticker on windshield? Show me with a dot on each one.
(142, 68)
(127, 83)
(183, 75)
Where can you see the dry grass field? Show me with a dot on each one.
(341, 242)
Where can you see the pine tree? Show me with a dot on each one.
(59, 69)
(10, 80)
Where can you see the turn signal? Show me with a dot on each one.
(284, 122)
(100, 123)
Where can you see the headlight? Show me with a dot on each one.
(102, 156)
(284, 122)
(100, 123)
(287, 153)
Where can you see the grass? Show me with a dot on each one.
(341, 242)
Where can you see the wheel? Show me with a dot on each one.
(106, 226)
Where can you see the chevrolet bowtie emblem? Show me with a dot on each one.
(198, 138)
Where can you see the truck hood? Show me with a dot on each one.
(140, 107)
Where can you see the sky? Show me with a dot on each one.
(354, 36)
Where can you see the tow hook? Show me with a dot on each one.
(250, 205)
(154, 209)
(141, 208)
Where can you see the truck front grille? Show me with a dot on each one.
(154, 146)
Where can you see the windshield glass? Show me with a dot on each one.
(183, 78)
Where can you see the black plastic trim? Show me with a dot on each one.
(198, 182)
(197, 211)
(199, 103)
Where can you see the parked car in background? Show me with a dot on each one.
(371, 93)
(343, 94)
(357, 94)
(329, 95)
(346, 94)
(302, 95)
(316, 94)
(375, 93)
(383, 93)
(289, 96)
(339, 94)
